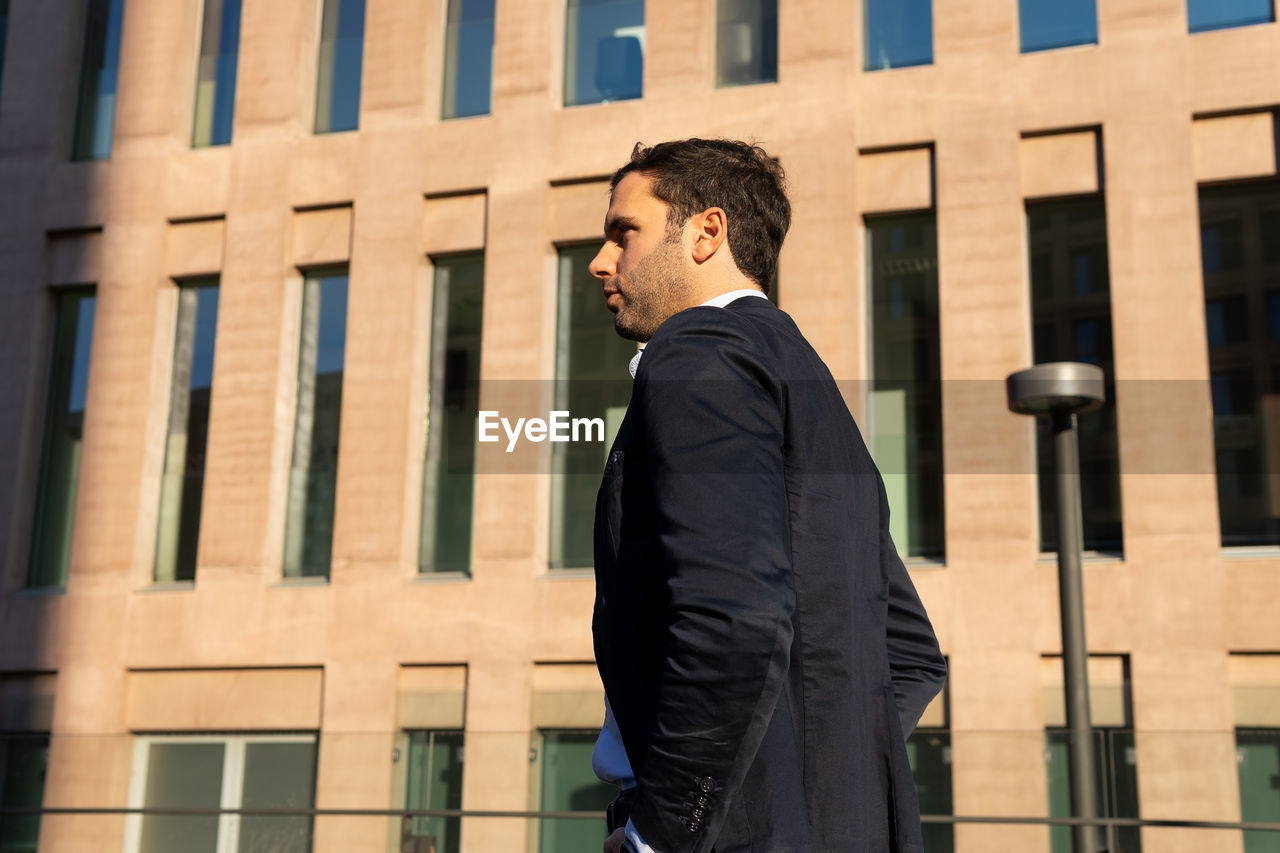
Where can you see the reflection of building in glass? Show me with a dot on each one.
(1240, 248)
(250, 544)
(1071, 321)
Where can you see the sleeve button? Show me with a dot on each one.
(707, 784)
(694, 825)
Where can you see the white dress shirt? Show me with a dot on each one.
(609, 758)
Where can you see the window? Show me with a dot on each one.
(468, 58)
(23, 761)
(448, 478)
(4, 34)
(1114, 753)
(1218, 14)
(591, 382)
(906, 373)
(1239, 228)
(1046, 24)
(1258, 760)
(603, 51)
(96, 109)
(228, 772)
(313, 475)
(338, 71)
(1117, 785)
(434, 782)
(63, 431)
(746, 42)
(569, 785)
(929, 752)
(898, 33)
(186, 439)
(1071, 321)
(216, 74)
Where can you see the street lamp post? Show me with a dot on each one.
(1060, 391)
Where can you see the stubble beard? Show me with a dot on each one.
(651, 292)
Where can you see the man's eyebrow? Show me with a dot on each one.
(618, 223)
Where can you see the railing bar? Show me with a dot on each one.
(580, 815)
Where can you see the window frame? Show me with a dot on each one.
(232, 794)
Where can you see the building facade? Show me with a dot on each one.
(263, 265)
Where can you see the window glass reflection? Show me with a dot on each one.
(604, 51)
(468, 58)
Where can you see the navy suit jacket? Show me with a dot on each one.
(759, 639)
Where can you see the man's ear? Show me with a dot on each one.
(710, 231)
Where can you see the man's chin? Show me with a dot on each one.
(628, 332)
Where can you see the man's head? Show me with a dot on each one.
(688, 220)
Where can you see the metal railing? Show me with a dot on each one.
(409, 841)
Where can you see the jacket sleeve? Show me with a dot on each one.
(712, 433)
(916, 664)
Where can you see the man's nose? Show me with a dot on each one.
(604, 264)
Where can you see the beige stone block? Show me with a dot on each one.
(1107, 700)
(75, 257)
(26, 702)
(576, 211)
(895, 180)
(1255, 689)
(431, 697)
(1060, 164)
(454, 223)
(223, 699)
(1234, 146)
(322, 236)
(194, 248)
(567, 696)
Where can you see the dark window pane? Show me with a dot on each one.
(568, 784)
(23, 761)
(468, 58)
(1258, 763)
(1221, 246)
(314, 473)
(898, 33)
(1227, 320)
(591, 382)
(604, 51)
(746, 42)
(64, 427)
(1116, 781)
(338, 71)
(4, 37)
(1242, 322)
(277, 776)
(216, 73)
(929, 752)
(1217, 14)
(454, 400)
(99, 68)
(906, 392)
(1046, 24)
(434, 781)
(182, 775)
(1269, 224)
(1071, 319)
(182, 486)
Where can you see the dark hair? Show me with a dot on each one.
(691, 175)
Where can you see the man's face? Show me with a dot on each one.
(643, 265)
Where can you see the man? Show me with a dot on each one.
(763, 652)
